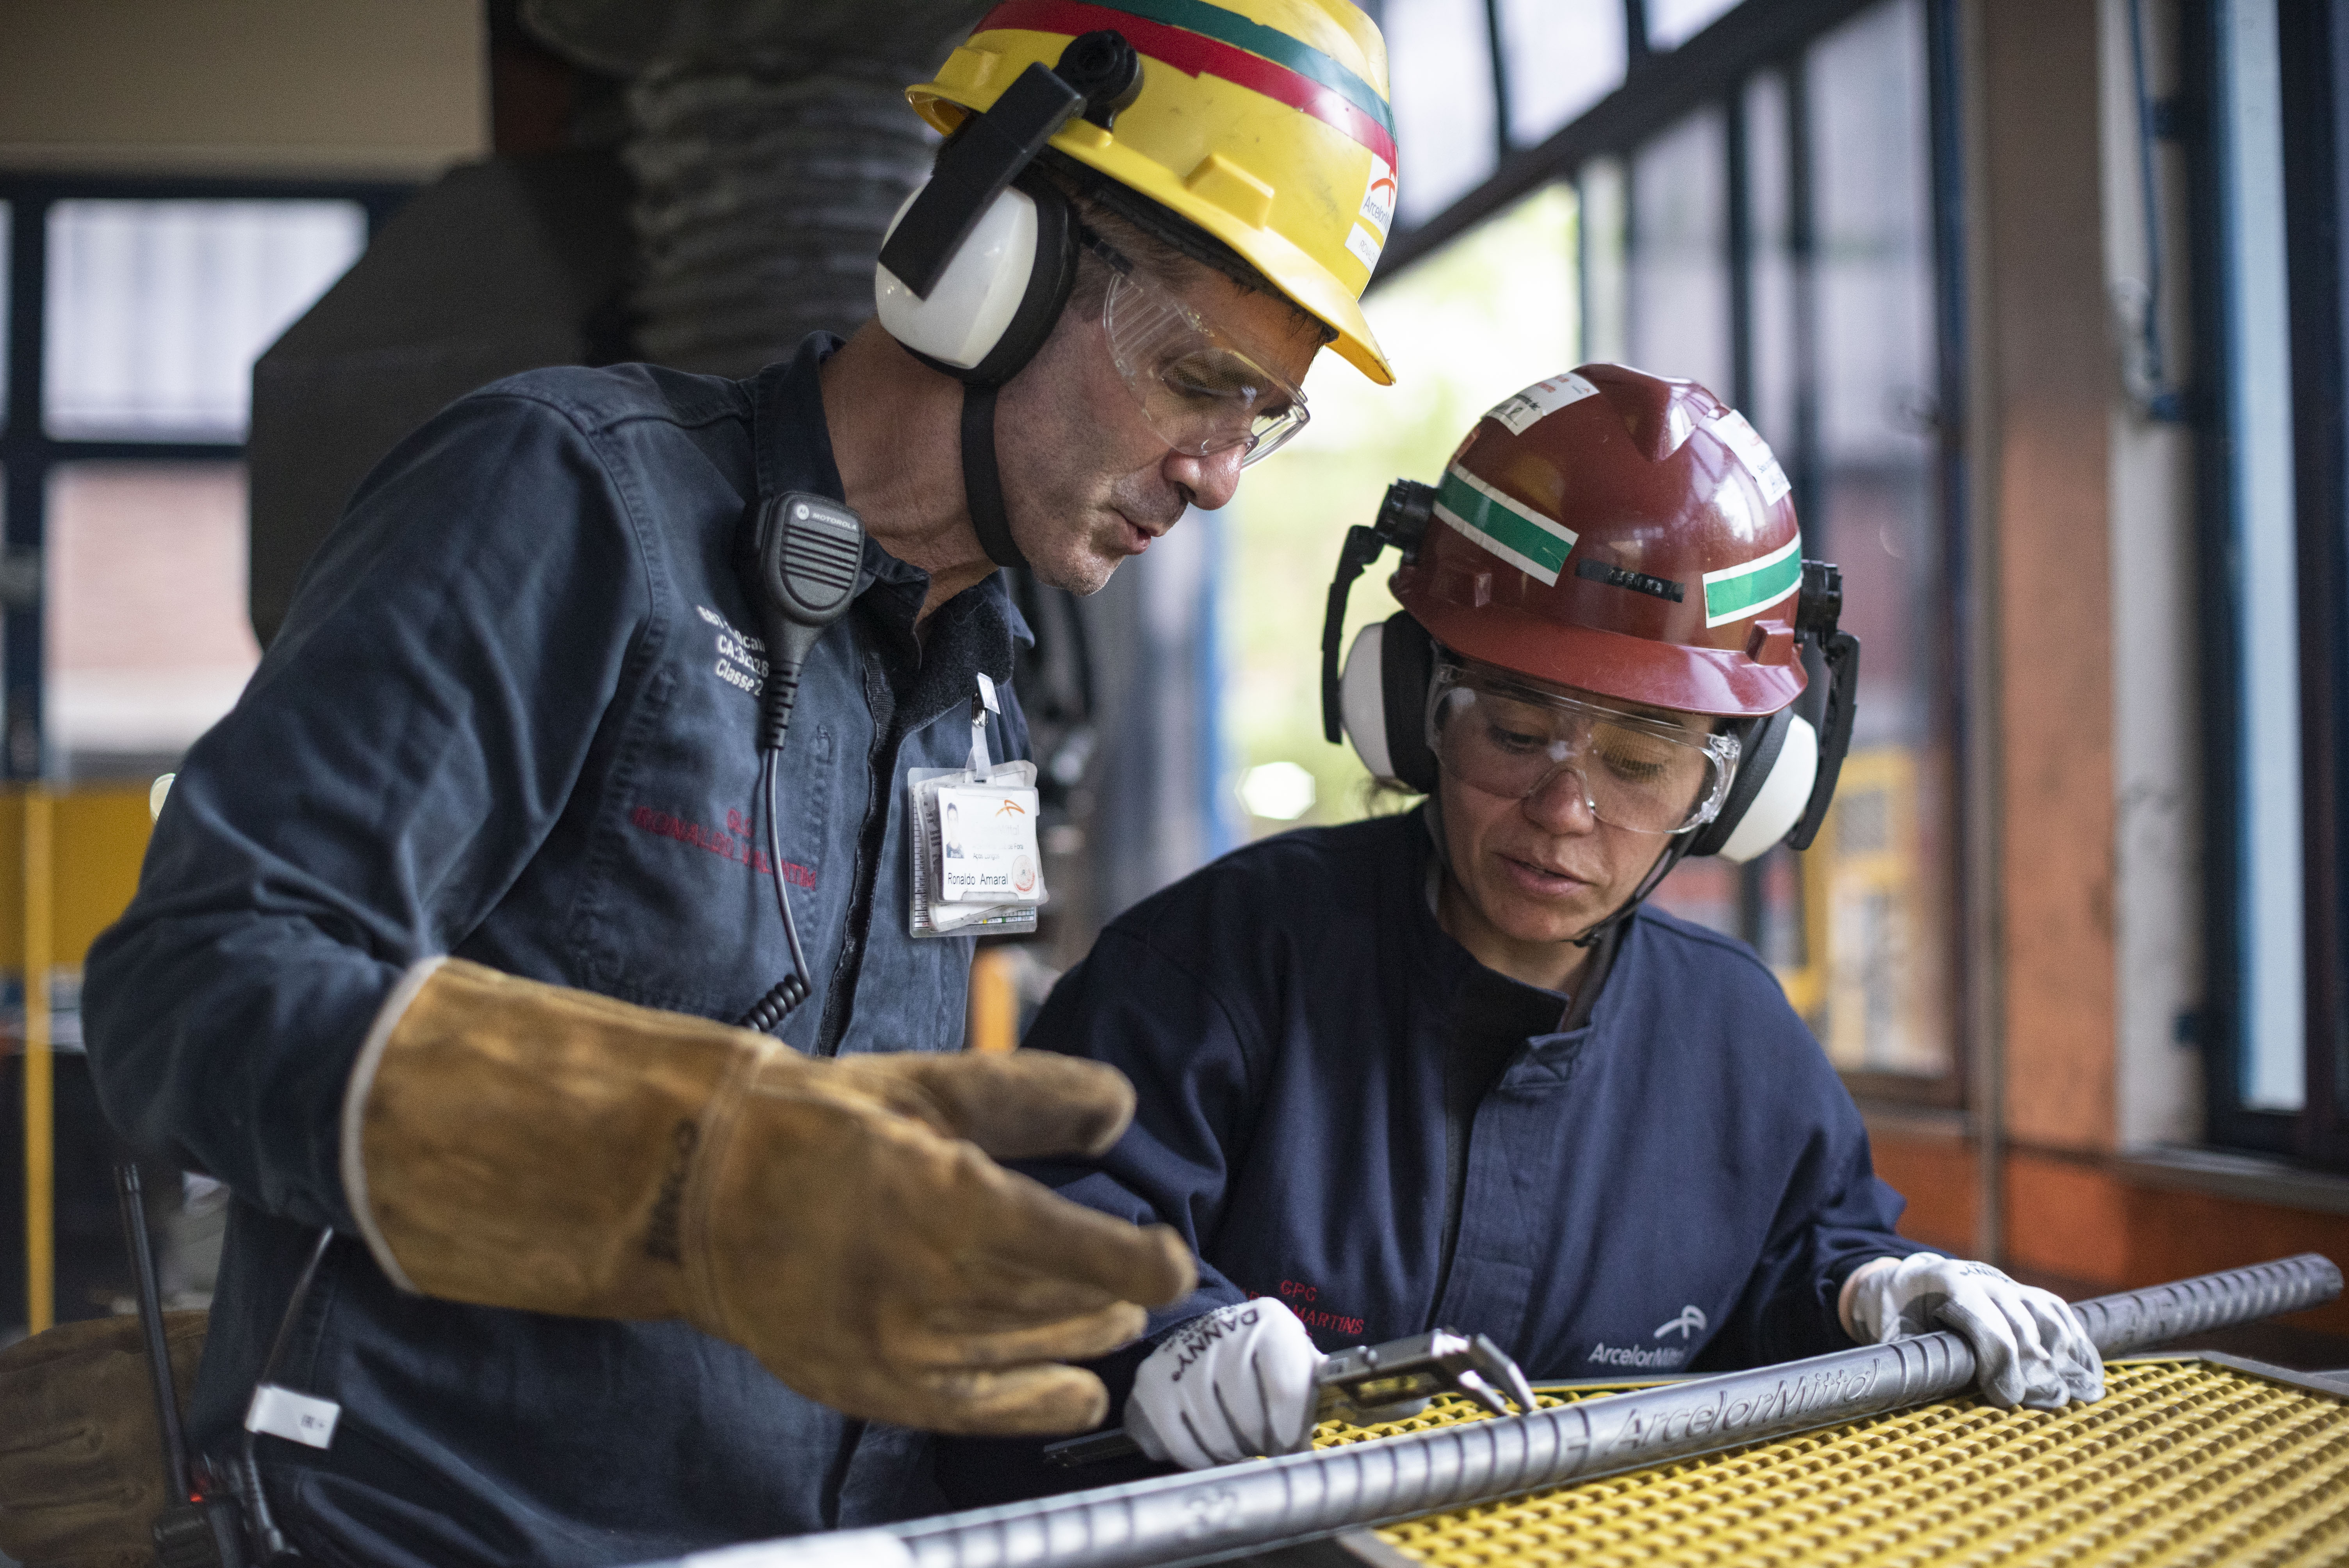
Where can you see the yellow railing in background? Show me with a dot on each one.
(1806, 983)
(994, 1001)
(69, 865)
(1869, 982)
(36, 868)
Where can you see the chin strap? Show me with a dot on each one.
(1648, 884)
(982, 483)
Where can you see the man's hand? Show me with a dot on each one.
(81, 1454)
(523, 1145)
(1236, 1382)
(2029, 1346)
(925, 1284)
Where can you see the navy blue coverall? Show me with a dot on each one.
(1681, 1183)
(512, 716)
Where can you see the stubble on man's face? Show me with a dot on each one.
(1085, 478)
(1083, 474)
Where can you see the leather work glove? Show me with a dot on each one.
(2029, 1346)
(1236, 1382)
(81, 1456)
(523, 1145)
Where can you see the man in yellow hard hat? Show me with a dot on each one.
(562, 1231)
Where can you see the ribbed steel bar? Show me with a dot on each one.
(1210, 1514)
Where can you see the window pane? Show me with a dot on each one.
(156, 310)
(1769, 205)
(1492, 312)
(1776, 919)
(2271, 941)
(148, 638)
(1671, 23)
(6, 214)
(1438, 55)
(1680, 254)
(1888, 854)
(1680, 327)
(1605, 291)
(1563, 55)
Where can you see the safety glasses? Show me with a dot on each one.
(1198, 390)
(1643, 775)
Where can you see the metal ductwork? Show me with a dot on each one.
(770, 145)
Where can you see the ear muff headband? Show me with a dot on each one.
(970, 328)
(1406, 670)
(1000, 297)
(979, 262)
(985, 155)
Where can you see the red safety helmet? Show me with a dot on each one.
(1626, 535)
(1621, 533)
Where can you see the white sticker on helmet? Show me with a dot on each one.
(1543, 397)
(1365, 245)
(1755, 454)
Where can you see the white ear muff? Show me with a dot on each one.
(1362, 700)
(1779, 806)
(976, 295)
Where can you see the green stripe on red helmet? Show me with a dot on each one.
(1735, 592)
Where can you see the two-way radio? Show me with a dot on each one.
(207, 1525)
(801, 555)
(197, 1529)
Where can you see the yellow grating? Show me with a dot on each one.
(2181, 1462)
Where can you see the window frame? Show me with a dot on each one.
(2313, 38)
(29, 452)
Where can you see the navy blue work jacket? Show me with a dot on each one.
(1681, 1183)
(512, 716)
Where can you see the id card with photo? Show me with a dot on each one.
(970, 910)
(987, 844)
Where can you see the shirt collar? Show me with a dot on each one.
(795, 454)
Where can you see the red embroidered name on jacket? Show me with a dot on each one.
(1298, 1295)
(731, 845)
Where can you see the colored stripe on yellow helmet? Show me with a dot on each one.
(1299, 76)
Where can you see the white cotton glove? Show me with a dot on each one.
(1234, 1383)
(2029, 1346)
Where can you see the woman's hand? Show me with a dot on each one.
(1236, 1382)
(2028, 1344)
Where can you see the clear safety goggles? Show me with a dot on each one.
(1643, 775)
(1198, 390)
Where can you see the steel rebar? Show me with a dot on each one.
(1200, 1517)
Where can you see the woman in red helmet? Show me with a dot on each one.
(1446, 1068)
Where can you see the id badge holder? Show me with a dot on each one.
(977, 870)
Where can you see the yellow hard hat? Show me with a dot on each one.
(1264, 122)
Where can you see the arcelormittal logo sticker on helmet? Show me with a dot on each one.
(1755, 452)
(1734, 593)
(1375, 220)
(1509, 529)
